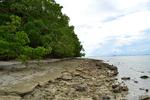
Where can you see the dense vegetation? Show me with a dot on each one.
(33, 29)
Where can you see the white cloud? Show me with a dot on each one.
(97, 20)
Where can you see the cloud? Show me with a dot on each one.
(135, 45)
(108, 26)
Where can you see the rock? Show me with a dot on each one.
(125, 78)
(10, 98)
(144, 77)
(118, 88)
(144, 97)
(84, 98)
(66, 76)
(124, 88)
(96, 97)
(146, 90)
(141, 88)
(135, 81)
(105, 98)
(80, 88)
(111, 67)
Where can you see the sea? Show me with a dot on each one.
(133, 67)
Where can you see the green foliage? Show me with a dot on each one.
(22, 38)
(35, 29)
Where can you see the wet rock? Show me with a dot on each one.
(125, 78)
(144, 97)
(144, 77)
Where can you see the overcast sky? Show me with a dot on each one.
(110, 27)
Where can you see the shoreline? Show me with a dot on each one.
(61, 79)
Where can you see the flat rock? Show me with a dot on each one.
(28, 86)
(10, 98)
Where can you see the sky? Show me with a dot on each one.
(110, 27)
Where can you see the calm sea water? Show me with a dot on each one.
(133, 67)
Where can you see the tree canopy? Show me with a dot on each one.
(33, 29)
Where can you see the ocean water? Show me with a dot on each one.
(133, 67)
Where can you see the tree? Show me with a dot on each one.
(36, 26)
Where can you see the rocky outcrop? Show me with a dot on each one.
(74, 79)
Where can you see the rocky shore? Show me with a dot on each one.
(60, 79)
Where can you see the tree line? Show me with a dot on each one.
(35, 29)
